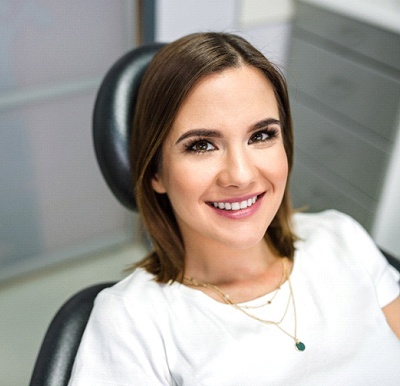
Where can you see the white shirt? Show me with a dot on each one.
(144, 333)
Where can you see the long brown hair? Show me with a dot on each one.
(171, 75)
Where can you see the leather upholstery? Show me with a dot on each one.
(57, 353)
(392, 260)
(112, 119)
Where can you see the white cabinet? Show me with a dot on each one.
(344, 82)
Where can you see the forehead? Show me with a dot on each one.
(233, 97)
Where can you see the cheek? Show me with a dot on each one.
(190, 183)
(284, 167)
(185, 182)
(283, 172)
(277, 167)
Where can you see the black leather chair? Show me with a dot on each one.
(57, 353)
(112, 120)
(111, 126)
(392, 260)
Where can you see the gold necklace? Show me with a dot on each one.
(269, 301)
(300, 346)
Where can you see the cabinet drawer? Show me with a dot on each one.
(354, 159)
(362, 94)
(371, 41)
(317, 192)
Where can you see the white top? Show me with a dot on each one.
(144, 333)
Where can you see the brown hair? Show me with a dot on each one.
(171, 75)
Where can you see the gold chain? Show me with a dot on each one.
(269, 301)
(298, 344)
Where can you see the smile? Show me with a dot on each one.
(236, 205)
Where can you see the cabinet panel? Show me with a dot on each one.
(348, 155)
(359, 93)
(380, 45)
(315, 191)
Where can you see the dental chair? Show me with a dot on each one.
(111, 127)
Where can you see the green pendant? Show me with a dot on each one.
(300, 346)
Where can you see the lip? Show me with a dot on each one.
(240, 213)
(240, 199)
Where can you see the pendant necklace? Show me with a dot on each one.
(299, 345)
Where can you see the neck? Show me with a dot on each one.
(244, 273)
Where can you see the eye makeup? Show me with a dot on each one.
(202, 140)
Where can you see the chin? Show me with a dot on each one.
(243, 243)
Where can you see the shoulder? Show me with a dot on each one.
(138, 280)
(335, 240)
(333, 231)
(137, 294)
(123, 340)
(330, 224)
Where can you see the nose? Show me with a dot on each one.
(237, 169)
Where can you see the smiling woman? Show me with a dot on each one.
(236, 290)
(227, 162)
(210, 92)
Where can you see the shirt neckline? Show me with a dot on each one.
(200, 296)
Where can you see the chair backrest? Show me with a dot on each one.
(112, 120)
(392, 260)
(57, 353)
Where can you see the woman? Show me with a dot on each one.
(238, 290)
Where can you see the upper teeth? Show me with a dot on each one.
(235, 205)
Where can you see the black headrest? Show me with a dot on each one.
(112, 120)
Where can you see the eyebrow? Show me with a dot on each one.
(265, 122)
(216, 134)
(199, 133)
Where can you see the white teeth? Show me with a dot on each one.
(235, 205)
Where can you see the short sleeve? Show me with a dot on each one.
(384, 276)
(118, 348)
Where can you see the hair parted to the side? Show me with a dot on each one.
(171, 75)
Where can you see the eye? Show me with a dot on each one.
(263, 136)
(200, 146)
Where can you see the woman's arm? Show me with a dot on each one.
(392, 313)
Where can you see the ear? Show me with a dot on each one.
(157, 184)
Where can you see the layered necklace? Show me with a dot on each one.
(299, 345)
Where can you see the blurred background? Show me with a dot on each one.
(60, 227)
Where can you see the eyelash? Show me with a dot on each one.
(271, 133)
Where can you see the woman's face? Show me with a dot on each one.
(224, 166)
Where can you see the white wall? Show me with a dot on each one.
(265, 23)
(53, 55)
